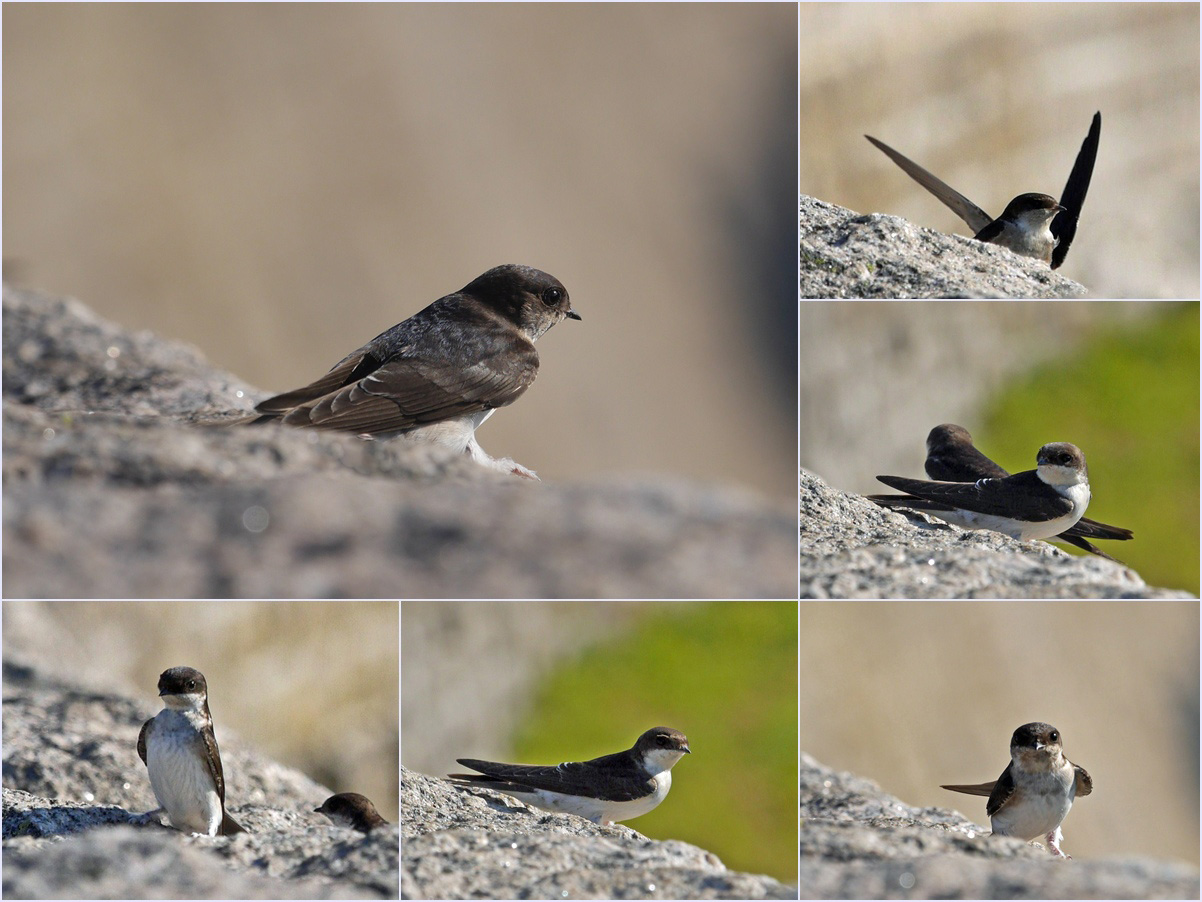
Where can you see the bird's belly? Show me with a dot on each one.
(599, 811)
(183, 785)
(1019, 529)
(1037, 813)
(1038, 243)
(1016, 529)
(454, 434)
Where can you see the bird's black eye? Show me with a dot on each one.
(191, 684)
(552, 297)
(1054, 736)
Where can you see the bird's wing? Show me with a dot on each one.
(972, 789)
(1064, 226)
(968, 465)
(1086, 528)
(996, 497)
(213, 756)
(1071, 538)
(976, 218)
(142, 740)
(1002, 790)
(347, 371)
(991, 231)
(909, 502)
(407, 392)
(1083, 780)
(570, 778)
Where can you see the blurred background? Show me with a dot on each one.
(311, 684)
(278, 183)
(545, 682)
(995, 99)
(913, 695)
(1117, 379)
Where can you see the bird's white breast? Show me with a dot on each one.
(179, 774)
(1045, 801)
(599, 811)
(1030, 236)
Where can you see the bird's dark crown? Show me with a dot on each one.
(512, 287)
(1025, 203)
(1061, 454)
(182, 681)
(664, 738)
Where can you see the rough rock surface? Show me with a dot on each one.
(854, 548)
(483, 845)
(846, 255)
(116, 484)
(858, 842)
(73, 779)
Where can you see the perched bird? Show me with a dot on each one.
(1036, 790)
(180, 752)
(605, 790)
(352, 810)
(952, 457)
(1033, 225)
(1034, 504)
(435, 377)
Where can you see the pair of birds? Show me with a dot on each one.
(179, 748)
(1029, 800)
(973, 492)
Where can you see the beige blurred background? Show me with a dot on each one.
(913, 695)
(279, 183)
(995, 99)
(313, 685)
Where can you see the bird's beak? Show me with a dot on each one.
(572, 314)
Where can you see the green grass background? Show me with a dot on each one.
(1129, 400)
(725, 674)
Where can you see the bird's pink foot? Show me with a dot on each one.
(1053, 841)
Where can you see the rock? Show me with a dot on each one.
(119, 482)
(854, 548)
(481, 844)
(846, 255)
(73, 780)
(858, 842)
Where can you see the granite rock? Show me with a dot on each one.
(480, 844)
(846, 255)
(854, 548)
(858, 842)
(121, 482)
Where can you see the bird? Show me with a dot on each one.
(1033, 224)
(1036, 790)
(179, 748)
(604, 790)
(438, 375)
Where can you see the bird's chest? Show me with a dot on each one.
(624, 811)
(1043, 803)
(1028, 239)
(180, 776)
